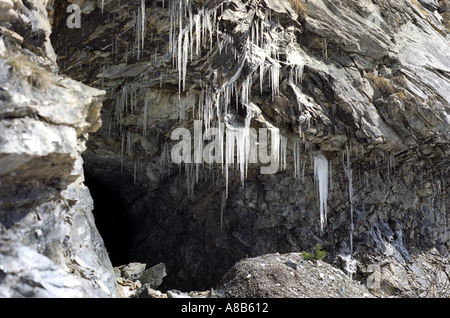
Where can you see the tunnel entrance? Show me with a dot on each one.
(112, 221)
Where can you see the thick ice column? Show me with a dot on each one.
(321, 177)
(142, 23)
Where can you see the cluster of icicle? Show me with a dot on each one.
(189, 33)
(192, 31)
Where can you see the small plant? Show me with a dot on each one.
(401, 95)
(299, 7)
(383, 84)
(318, 253)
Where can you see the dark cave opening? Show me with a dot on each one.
(112, 221)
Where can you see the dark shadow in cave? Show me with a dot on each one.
(112, 221)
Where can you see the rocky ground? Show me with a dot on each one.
(289, 276)
(267, 276)
(292, 276)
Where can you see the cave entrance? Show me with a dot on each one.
(112, 221)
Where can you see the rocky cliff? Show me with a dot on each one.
(340, 111)
(50, 246)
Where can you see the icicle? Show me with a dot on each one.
(103, 5)
(325, 48)
(229, 154)
(283, 150)
(349, 172)
(179, 47)
(185, 58)
(321, 175)
(191, 22)
(240, 152)
(198, 31)
(296, 154)
(261, 76)
(244, 91)
(171, 28)
(275, 79)
(142, 23)
(137, 27)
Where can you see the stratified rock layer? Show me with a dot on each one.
(365, 84)
(49, 243)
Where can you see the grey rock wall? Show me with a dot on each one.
(374, 86)
(363, 83)
(49, 243)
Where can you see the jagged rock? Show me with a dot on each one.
(153, 276)
(127, 288)
(147, 292)
(373, 84)
(431, 5)
(131, 271)
(50, 246)
(424, 275)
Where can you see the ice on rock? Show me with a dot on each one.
(349, 172)
(296, 154)
(321, 177)
(184, 59)
(245, 90)
(275, 79)
(283, 151)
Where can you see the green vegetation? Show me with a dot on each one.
(318, 253)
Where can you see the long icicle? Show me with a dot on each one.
(321, 176)
(142, 23)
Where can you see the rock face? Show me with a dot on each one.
(354, 97)
(361, 85)
(49, 244)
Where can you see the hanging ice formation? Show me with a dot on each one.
(296, 154)
(240, 141)
(189, 32)
(321, 177)
(349, 173)
(192, 31)
(142, 23)
(140, 28)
